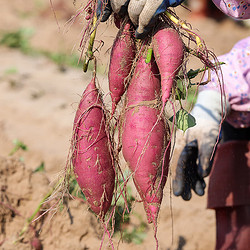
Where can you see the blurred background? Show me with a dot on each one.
(40, 85)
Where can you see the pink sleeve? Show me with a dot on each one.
(236, 78)
(234, 8)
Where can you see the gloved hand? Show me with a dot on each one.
(194, 149)
(108, 6)
(142, 13)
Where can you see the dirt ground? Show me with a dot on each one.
(37, 107)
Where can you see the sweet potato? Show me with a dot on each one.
(121, 59)
(144, 136)
(168, 51)
(91, 158)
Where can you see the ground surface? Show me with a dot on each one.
(38, 102)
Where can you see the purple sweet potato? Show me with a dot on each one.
(145, 136)
(121, 59)
(91, 158)
(168, 51)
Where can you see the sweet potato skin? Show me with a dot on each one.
(91, 158)
(121, 60)
(168, 50)
(144, 136)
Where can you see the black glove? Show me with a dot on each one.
(195, 148)
(106, 7)
(187, 176)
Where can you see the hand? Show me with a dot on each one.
(194, 149)
(187, 176)
(142, 13)
(108, 6)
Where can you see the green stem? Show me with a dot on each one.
(193, 73)
(13, 151)
(31, 218)
(89, 53)
(149, 55)
(179, 98)
(184, 26)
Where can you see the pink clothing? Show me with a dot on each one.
(234, 8)
(236, 77)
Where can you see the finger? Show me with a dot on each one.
(197, 183)
(186, 194)
(144, 33)
(104, 9)
(178, 186)
(185, 164)
(206, 151)
(135, 8)
(199, 187)
(204, 166)
(106, 14)
(205, 160)
(179, 181)
(148, 15)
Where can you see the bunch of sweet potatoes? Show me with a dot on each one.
(144, 132)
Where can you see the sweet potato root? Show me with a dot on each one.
(91, 156)
(168, 50)
(122, 56)
(145, 136)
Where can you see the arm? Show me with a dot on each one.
(238, 9)
(194, 149)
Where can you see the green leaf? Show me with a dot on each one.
(192, 95)
(40, 168)
(75, 190)
(193, 73)
(180, 90)
(17, 39)
(183, 120)
(18, 145)
(137, 235)
(10, 71)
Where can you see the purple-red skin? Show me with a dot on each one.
(169, 52)
(36, 243)
(91, 158)
(121, 60)
(143, 146)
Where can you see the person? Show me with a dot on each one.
(143, 13)
(207, 8)
(229, 188)
(237, 9)
(229, 183)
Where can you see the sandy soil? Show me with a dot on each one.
(38, 103)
